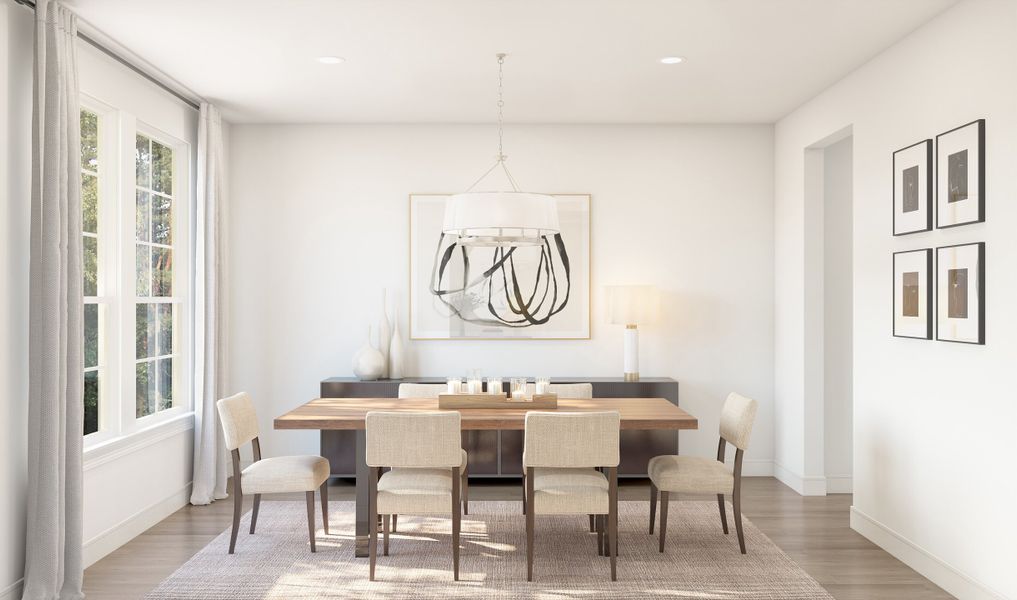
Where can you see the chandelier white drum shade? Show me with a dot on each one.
(501, 218)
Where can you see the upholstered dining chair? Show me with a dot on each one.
(562, 452)
(562, 390)
(278, 475)
(423, 451)
(699, 475)
(432, 390)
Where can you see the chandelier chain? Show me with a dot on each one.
(501, 105)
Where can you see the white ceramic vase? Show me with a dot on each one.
(368, 363)
(384, 333)
(396, 354)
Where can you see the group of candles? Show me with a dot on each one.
(474, 384)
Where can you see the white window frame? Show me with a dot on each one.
(117, 264)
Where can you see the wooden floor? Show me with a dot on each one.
(813, 530)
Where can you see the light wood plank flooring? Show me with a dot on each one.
(814, 531)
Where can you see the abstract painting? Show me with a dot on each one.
(960, 181)
(912, 188)
(912, 296)
(477, 292)
(960, 273)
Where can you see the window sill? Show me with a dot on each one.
(110, 450)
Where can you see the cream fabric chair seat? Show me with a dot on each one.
(570, 491)
(690, 475)
(411, 491)
(283, 474)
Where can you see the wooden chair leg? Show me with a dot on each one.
(372, 501)
(456, 522)
(723, 512)
(738, 520)
(524, 493)
(663, 518)
(529, 525)
(599, 524)
(653, 505)
(238, 506)
(386, 520)
(612, 521)
(466, 490)
(395, 523)
(324, 504)
(254, 512)
(310, 519)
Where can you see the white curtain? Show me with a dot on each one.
(53, 563)
(209, 341)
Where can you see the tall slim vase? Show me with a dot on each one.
(396, 353)
(384, 332)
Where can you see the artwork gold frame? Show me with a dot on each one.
(580, 297)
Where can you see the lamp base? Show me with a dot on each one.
(632, 377)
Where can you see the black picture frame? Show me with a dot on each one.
(929, 183)
(980, 299)
(979, 175)
(927, 302)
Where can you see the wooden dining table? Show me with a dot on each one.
(350, 413)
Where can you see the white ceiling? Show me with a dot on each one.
(570, 61)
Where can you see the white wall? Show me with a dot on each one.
(933, 441)
(319, 226)
(837, 313)
(134, 482)
(16, 43)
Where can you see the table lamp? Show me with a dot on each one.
(632, 305)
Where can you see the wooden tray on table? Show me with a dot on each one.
(536, 402)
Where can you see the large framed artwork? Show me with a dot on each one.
(477, 292)
(960, 175)
(912, 294)
(912, 188)
(960, 293)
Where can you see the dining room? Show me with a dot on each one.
(507, 299)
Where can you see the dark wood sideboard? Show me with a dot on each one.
(499, 453)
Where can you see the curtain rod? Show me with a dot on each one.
(30, 4)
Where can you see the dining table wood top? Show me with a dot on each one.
(349, 413)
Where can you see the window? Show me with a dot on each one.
(90, 233)
(153, 276)
(134, 226)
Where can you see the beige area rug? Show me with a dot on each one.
(699, 562)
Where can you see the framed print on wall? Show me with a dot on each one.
(960, 175)
(912, 294)
(960, 293)
(479, 292)
(912, 188)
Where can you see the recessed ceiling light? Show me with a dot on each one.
(672, 60)
(331, 60)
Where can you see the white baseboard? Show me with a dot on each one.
(810, 485)
(839, 484)
(13, 591)
(131, 527)
(927, 564)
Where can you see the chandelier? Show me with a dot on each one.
(500, 218)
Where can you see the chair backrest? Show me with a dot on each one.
(572, 440)
(413, 439)
(421, 390)
(239, 421)
(736, 419)
(565, 390)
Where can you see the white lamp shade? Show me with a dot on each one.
(632, 304)
(501, 217)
